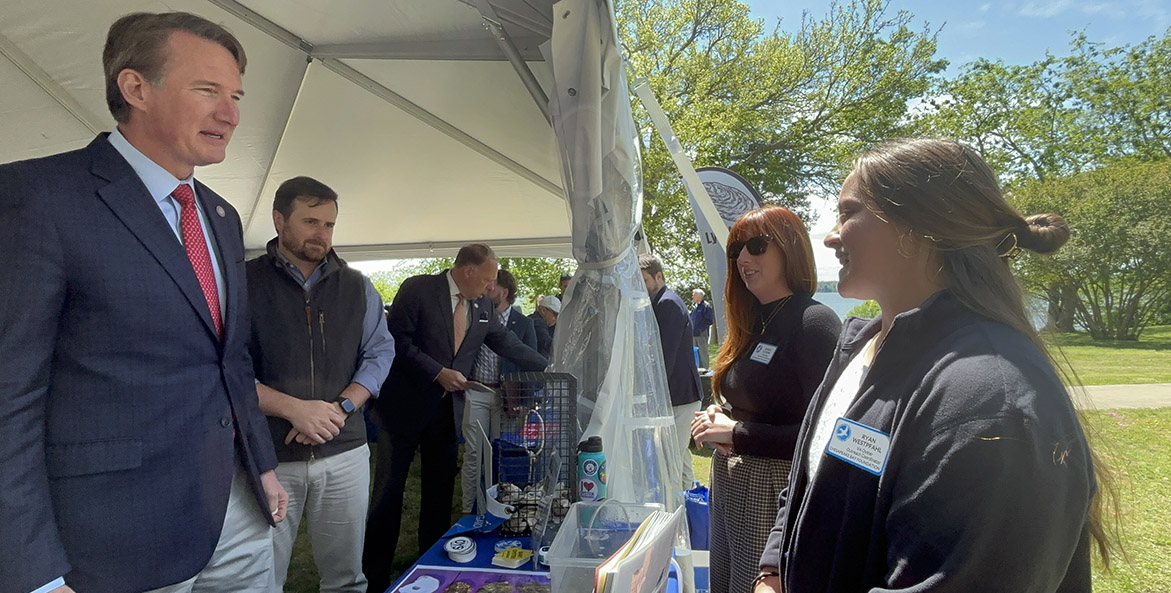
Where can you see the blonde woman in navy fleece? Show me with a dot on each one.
(942, 452)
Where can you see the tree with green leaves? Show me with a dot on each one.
(1118, 260)
(1056, 118)
(785, 110)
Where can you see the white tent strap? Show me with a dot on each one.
(649, 422)
(609, 263)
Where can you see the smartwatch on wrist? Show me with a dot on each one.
(347, 405)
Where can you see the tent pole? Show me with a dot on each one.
(707, 208)
(492, 23)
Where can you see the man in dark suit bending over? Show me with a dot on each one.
(438, 323)
(134, 456)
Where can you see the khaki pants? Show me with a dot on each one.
(242, 561)
(333, 494)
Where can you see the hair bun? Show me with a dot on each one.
(1045, 233)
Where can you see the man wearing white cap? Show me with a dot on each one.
(545, 320)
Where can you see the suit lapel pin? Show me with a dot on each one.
(220, 210)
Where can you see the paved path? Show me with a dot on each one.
(1153, 395)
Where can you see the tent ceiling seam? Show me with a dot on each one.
(42, 79)
(350, 73)
(276, 153)
(456, 50)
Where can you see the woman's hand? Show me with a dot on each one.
(768, 585)
(714, 427)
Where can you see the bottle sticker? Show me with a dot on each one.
(588, 490)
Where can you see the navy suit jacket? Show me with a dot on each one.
(678, 353)
(523, 328)
(118, 402)
(544, 335)
(421, 323)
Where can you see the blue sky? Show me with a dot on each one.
(1015, 32)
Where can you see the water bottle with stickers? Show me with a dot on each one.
(591, 470)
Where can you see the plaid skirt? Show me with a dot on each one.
(743, 509)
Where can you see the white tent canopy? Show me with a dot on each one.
(410, 109)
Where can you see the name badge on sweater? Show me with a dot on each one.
(859, 445)
(763, 353)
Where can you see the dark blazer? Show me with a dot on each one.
(421, 323)
(118, 402)
(678, 354)
(523, 328)
(544, 335)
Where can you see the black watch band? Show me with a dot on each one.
(347, 405)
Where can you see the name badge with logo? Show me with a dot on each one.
(859, 445)
(763, 353)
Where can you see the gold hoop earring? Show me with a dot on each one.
(900, 248)
(1013, 250)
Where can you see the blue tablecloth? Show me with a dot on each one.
(485, 550)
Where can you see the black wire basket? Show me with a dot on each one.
(534, 458)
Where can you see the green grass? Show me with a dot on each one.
(1109, 362)
(1120, 363)
(1137, 447)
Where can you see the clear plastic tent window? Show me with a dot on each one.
(607, 335)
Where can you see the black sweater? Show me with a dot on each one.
(768, 401)
(988, 478)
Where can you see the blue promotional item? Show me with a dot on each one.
(698, 519)
(591, 470)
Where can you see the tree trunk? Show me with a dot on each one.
(1065, 308)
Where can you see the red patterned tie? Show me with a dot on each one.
(196, 246)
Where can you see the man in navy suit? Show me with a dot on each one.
(438, 323)
(482, 410)
(675, 335)
(134, 456)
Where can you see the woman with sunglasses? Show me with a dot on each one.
(942, 452)
(778, 343)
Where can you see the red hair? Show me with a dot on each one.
(790, 236)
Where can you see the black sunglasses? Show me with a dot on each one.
(756, 246)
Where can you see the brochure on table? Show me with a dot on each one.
(641, 565)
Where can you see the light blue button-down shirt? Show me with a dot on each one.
(160, 183)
